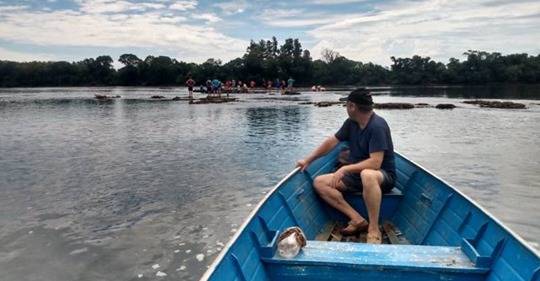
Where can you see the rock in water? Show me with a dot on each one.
(445, 106)
(496, 104)
(291, 93)
(394, 105)
(327, 103)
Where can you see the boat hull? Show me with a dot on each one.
(449, 236)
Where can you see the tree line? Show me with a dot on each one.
(268, 60)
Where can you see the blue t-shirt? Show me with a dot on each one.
(290, 82)
(374, 137)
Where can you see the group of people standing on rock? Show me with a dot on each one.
(280, 85)
(216, 87)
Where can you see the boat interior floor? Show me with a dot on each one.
(390, 234)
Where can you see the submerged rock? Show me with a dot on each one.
(394, 105)
(422, 105)
(105, 97)
(327, 103)
(445, 106)
(181, 98)
(496, 104)
(213, 100)
(157, 97)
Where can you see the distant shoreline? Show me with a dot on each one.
(308, 88)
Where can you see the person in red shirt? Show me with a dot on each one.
(190, 83)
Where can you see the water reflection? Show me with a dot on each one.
(276, 120)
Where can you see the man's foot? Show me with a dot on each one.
(355, 227)
(374, 237)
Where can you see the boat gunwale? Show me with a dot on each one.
(520, 239)
(231, 241)
(240, 230)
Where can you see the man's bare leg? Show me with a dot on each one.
(334, 197)
(371, 183)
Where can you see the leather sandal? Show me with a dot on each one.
(354, 228)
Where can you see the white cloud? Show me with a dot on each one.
(296, 18)
(232, 7)
(153, 5)
(440, 29)
(211, 18)
(183, 5)
(12, 8)
(436, 28)
(333, 2)
(6, 54)
(150, 30)
(114, 6)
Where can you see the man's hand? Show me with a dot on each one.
(303, 164)
(338, 175)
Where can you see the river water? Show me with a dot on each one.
(127, 188)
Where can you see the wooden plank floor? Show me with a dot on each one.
(391, 234)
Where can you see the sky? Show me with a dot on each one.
(195, 30)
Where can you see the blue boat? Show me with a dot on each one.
(432, 231)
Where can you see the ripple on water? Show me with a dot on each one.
(108, 189)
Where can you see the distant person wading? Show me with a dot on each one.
(190, 83)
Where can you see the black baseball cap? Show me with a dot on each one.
(360, 96)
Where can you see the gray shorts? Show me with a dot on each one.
(353, 182)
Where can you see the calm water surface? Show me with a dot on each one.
(111, 190)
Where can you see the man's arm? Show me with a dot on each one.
(374, 162)
(327, 145)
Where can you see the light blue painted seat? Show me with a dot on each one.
(330, 260)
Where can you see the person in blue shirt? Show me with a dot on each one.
(370, 169)
(290, 83)
(216, 87)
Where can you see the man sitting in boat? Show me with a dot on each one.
(371, 169)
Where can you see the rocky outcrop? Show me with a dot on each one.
(105, 97)
(287, 93)
(208, 100)
(421, 105)
(393, 105)
(496, 104)
(323, 103)
(445, 106)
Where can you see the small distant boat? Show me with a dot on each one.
(431, 230)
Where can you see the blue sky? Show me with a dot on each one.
(194, 30)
